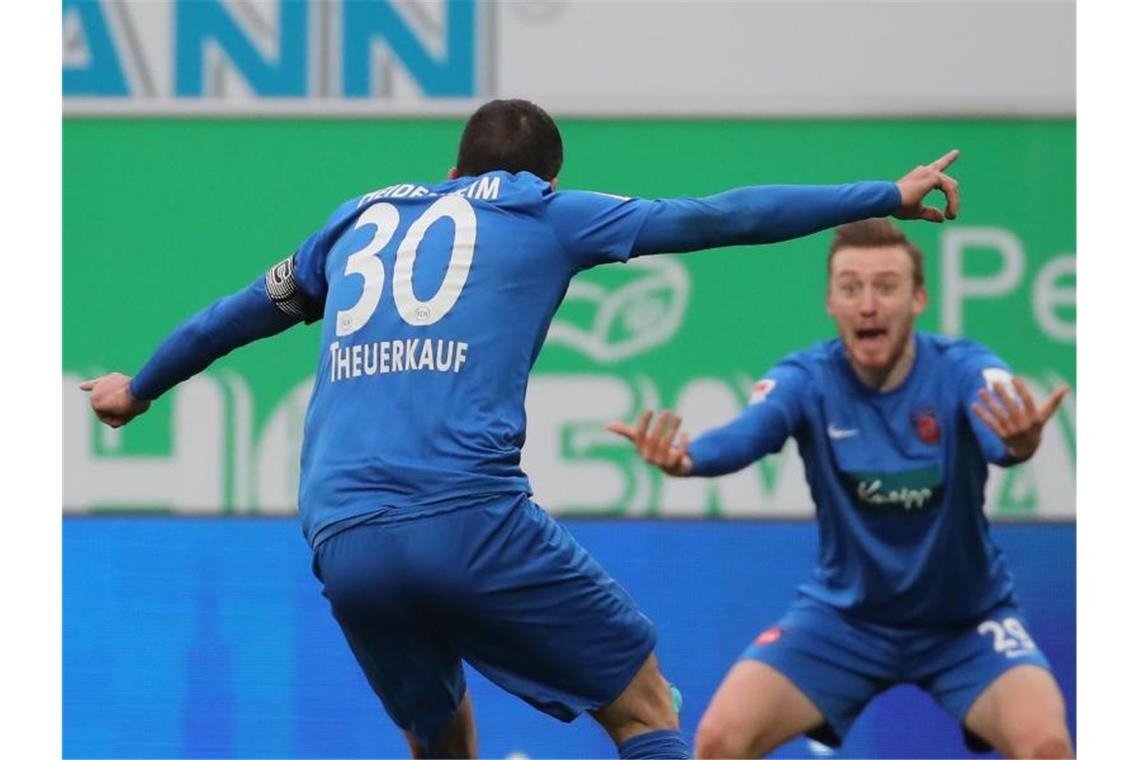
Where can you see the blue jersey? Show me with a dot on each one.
(435, 301)
(897, 477)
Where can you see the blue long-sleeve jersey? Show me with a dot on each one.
(435, 301)
(897, 478)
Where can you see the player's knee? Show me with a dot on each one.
(717, 738)
(1043, 744)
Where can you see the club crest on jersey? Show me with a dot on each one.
(761, 390)
(925, 421)
(769, 636)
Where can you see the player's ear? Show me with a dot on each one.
(453, 173)
(920, 299)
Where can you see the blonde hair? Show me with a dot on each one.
(876, 233)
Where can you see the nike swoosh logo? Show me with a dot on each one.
(838, 433)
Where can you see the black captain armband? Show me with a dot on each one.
(282, 288)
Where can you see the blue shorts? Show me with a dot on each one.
(499, 584)
(841, 663)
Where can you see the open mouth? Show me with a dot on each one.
(870, 333)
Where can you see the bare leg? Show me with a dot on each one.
(1022, 714)
(755, 710)
(457, 738)
(645, 705)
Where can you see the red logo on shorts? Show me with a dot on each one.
(768, 636)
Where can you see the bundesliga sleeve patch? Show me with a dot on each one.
(282, 289)
(761, 390)
(995, 376)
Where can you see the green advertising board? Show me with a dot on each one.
(161, 216)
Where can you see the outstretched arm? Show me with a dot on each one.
(757, 432)
(773, 413)
(598, 228)
(228, 323)
(773, 213)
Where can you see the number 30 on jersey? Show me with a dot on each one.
(385, 218)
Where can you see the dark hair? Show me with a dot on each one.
(876, 233)
(513, 136)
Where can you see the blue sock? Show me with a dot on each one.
(655, 744)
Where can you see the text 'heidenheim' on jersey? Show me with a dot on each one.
(387, 356)
(482, 189)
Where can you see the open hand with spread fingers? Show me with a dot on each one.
(112, 400)
(1018, 425)
(656, 444)
(921, 180)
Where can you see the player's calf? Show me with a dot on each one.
(456, 739)
(643, 721)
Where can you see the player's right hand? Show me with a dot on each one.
(656, 445)
(112, 400)
(920, 181)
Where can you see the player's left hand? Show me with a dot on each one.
(924, 178)
(112, 400)
(1018, 425)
